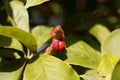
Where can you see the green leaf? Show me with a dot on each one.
(12, 70)
(10, 53)
(118, 6)
(26, 38)
(8, 42)
(100, 32)
(112, 43)
(91, 75)
(0, 59)
(20, 15)
(42, 34)
(7, 7)
(116, 72)
(107, 64)
(47, 67)
(82, 54)
(31, 3)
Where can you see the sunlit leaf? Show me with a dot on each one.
(42, 34)
(91, 75)
(47, 67)
(100, 32)
(107, 65)
(8, 42)
(12, 70)
(26, 38)
(102, 78)
(31, 3)
(80, 53)
(116, 72)
(112, 43)
(20, 15)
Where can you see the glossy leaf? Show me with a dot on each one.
(8, 42)
(20, 15)
(80, 53)
(26, 38)
(42, 34)
(47, 67)
(107, 65)
(91, 75)
(112, 43)
(31, 3)
(12, 70)
(100, 32)
(116, 72)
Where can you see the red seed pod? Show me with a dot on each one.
(62, 46)
(58, 45)
(57, 33)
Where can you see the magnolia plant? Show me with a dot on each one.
(20, 57)
(24, 57)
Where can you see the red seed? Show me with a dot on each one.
(55, 45)
(62, 46)
(58, 45)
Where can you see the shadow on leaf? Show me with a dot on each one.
(61, 55)
(5, 41)
(12, 65)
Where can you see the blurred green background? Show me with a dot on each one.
(75, 16)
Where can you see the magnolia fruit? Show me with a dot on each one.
(58, 45)
(57, 33)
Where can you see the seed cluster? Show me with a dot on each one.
(58, 44)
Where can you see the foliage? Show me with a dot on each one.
(94, 55)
